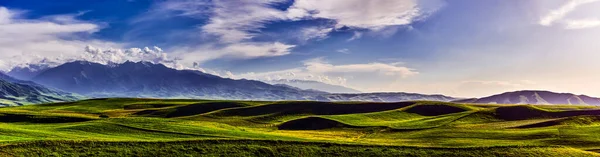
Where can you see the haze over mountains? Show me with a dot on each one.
(145, 79)
(15, 92)
(382, 97)
(535, 97)
(309, 84)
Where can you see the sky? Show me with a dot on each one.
(462, 48)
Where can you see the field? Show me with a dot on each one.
(154, 127)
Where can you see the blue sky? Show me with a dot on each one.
(464, 48)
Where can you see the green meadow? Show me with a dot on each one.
(157, 127)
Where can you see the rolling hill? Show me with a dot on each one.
(535, 97)
(184, 127)
(15, 92)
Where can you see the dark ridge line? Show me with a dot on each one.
(273, 142)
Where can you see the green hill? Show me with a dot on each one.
(150, 127)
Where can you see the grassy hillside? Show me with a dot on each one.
(145, 127)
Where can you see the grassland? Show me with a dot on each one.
(153, 127)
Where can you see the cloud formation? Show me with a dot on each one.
(559, 15)
(233, 21)
(581, 24)
(53, 40)
(380, 69)
(344, 51)
(318, 69)
(56, 37)
(233, 24)
(154, 55)
(372, 14)
(236, 23)
(50, 33)
(317, 33)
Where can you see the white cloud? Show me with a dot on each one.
(344, 74)
(55, 37)
(232, 24)
(5, 15)
(372, 14)
(581, 24)
(317, 33)
(381, 69)
(558, 16)
(189, 56)
(54, 40)
(235, 23)
(154, 55)
(254, 50)
(232, 21)
(344, 51)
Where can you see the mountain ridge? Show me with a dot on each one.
(145, 79)
(14, 92)
(535, 97)
(139, 79)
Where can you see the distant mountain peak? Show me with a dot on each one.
(535, 97)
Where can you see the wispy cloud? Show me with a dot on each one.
(581, 24)
(344, 51)
(188, 56)
(253, 50)
(232, 21)
(355, 36)
(234, 24)
(318, 69)
(558, 16)
(317, 33)
(381, 69)
(372, 14)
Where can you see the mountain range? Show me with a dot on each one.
(145, 79)
(14, 92)
(535, 97)
(383, 97)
